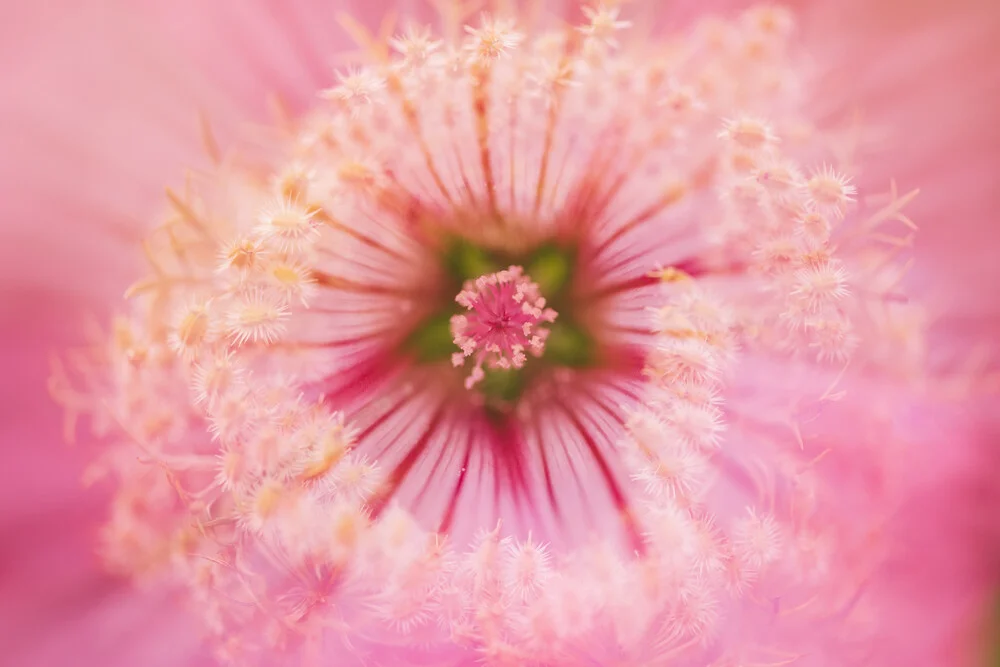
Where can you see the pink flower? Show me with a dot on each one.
(701, 420)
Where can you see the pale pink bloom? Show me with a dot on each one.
(716, 415)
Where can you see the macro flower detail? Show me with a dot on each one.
(655, 425)
(505, 309)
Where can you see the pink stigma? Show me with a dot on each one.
(506, 316)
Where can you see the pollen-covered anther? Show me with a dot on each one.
(526, 568)
(695, 613)
(193, 328)
(506, 317)
(830, 192)
(292, 279)
(332, 446)
(492, 40)
(294, 181)
(832, 336)
(360, 175)
(265, 503)
(699, 426)
(604, 23)
(814, 228)
(749, 133)
(357, 89)
(288, 227)
(685, 360)
(232, 471)
(258, 317)
(677, 472)
(670, 529)
(242, 255)
(778, 177)
(356, 478)
(820, 285)
(415, 46)
(215, 376)
(481, 563)
(778, 255)
(348, 523)
(757, 539)
(230, 416)
(554, 77)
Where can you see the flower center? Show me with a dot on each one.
(506, 318)
(515, 318)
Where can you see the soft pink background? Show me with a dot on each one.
(99, 109)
